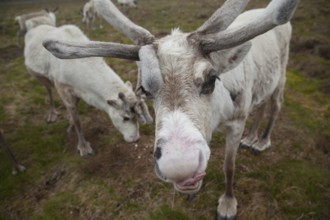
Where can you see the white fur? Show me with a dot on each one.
(251, 82)
(90, 15)
(90, 79)
(28, 21)
(50, 19)
(183, 141)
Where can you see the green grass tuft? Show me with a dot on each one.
(166, 212)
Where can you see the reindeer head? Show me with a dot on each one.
(179, 73)
(126, 111)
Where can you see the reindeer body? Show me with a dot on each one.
(255, 80)
(90, 79)
(79, 74)
(49, 19)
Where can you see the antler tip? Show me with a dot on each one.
(285, 10)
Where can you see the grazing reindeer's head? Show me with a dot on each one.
(178, 73)
(127, 110)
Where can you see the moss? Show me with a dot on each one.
(63, 205)
(306, 105)
(302, 183)
(166, 212)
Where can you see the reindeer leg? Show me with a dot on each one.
(70, 103)
(88, 21)
(16, 166)
(71, 121)
(19, 35)
(252, 136)
(101, 22)
(52, 114)
(227, 207)
(276, 104)
(93, 23)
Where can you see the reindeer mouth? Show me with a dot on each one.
(190, 185)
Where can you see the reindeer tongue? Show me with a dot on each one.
(192, 181)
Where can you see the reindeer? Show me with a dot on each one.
(90, 15)
(126, 4)
(210, 78)
(90, 79)
(23, 19)
(50, 19)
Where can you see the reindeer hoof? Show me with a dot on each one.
(227, 208)
(255, 152)
(87, 154)
(17, 169)
(244, 146)
(85, 149)
(220, 217)
(51, 119)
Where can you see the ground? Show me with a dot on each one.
(288, 181)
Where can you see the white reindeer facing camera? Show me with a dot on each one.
(90, 79)
(210, 78)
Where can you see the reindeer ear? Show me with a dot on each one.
(230, 58)
(114, 103)
(150, 76)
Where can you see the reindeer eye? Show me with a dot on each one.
(209, 84)
(146, 93)
(126, 118)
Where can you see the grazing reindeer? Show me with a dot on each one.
(16, 166)
(90, 79)
(90, 15)
(50, 19)
(28, 21)
(200, 81)
(125, 4)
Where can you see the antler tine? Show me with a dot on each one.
(276, 13)
(113, 16)
(223, 17)
(145, 112)
(71, 50)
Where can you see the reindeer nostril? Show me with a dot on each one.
(158, 153)
(160, 144)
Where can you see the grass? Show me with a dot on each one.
(291, 180)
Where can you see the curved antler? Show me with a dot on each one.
(223, 17)
(72, 50)
(276, 13)
(113, 16)
(144, 116)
